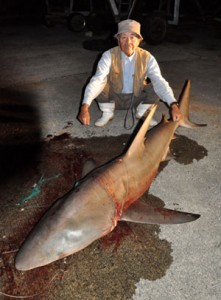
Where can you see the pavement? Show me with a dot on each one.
(49, 67)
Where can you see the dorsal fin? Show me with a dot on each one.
(137, 146)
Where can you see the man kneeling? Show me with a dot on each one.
(121, 77)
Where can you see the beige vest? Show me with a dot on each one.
(115, 77)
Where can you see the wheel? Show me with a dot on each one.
(76, 22)
(154, 29)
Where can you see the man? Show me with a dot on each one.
(121, 77)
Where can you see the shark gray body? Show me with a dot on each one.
(106, 195)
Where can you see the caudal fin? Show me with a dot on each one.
(184, 107)
(140, 212)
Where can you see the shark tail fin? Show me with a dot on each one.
(184, 107)
(141, 212)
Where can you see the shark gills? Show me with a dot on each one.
(108, 194)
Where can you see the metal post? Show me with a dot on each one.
(175, 13)
(114, 10)
(131, 8)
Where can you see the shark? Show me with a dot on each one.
(107, 195)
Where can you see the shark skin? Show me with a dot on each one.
(184, 107)
(106, 195)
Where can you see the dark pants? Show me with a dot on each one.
(125, 101)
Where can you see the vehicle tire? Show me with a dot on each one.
(76, 22)
(154, 29)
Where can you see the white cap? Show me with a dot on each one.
(129, 26)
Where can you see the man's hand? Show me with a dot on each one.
(175, 112)
(84, 115)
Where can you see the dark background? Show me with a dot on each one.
(28, 8)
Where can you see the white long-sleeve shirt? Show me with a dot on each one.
(99, 80)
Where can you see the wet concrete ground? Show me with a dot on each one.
(43, 72)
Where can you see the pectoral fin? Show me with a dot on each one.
(89, 165)
(140, 212)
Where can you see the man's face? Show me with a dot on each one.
(128, 42)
